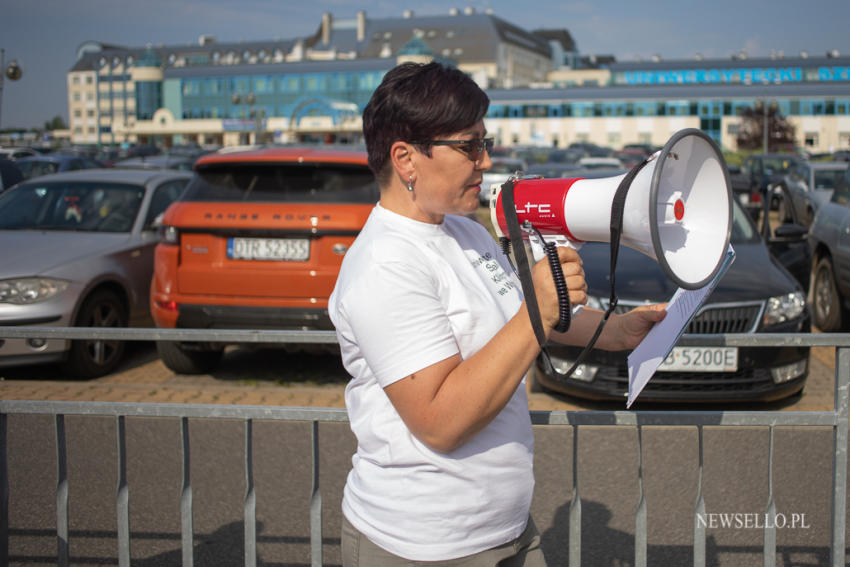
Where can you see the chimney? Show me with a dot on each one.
(327, 21)
(361, 25)
(408, 14)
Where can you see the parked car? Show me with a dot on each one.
(256, 242)
(756, 295)
(600, 163)
(159, 161)
(805, 187)
(759, 177)
(78, 251)
(35, 166)
(503, 168)
(553, 169)
(829, 240)
(14, 153)
(10, 174)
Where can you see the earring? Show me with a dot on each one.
(410, 183)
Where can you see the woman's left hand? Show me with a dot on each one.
(633, 326)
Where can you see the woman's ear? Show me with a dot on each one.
(402, 155)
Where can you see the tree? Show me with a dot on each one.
(56, 124)
(780, 133)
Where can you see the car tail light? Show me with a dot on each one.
(167, 305)
(755, 197)
(169, 235)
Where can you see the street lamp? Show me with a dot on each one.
(13, 72)
(255, 114)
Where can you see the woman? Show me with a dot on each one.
(435, 333)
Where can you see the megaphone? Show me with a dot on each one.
(677, 210)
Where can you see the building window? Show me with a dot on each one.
(811, 139)
(289, 84)
(191, 87)
(263, 85)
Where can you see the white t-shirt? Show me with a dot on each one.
(410, 294)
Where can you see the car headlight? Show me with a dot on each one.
(784, 308)
(24, 291)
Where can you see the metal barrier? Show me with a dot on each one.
(837, 419)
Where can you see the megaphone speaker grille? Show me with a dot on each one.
(692, 213)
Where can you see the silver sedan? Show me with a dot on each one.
(77, 250)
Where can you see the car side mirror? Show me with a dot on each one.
(789, 233)
(155, 223)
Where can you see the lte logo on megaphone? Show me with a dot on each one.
(540, 209)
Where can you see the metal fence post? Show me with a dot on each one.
(839, 455)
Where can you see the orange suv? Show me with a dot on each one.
(256, 242)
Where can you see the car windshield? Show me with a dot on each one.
(34, 168)
(778, 165)
(743, 229)
(827, 178)
(289, 183)
(505, 167)
(77, 206)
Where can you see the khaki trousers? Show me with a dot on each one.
(524, 551)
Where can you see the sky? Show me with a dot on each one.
(43, 35)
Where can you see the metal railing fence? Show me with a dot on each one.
(837, 419)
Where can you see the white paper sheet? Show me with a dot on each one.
(657, 344)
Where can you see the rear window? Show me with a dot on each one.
(289, 183)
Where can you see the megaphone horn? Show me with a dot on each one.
(678, 208)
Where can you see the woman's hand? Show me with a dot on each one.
(632, 327)
(544, 285)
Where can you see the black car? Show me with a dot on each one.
(829, 239)
(756, 295)
(759, 175)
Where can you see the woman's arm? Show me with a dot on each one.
(447, 403)
(622, 331)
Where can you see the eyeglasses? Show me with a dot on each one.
(473, 148)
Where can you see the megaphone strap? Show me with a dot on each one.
(523, 267)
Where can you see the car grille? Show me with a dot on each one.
(716, 318)
(711, 319)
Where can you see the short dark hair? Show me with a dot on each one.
(417, 102)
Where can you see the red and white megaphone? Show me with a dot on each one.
(678, 209)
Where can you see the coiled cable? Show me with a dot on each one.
(561, 289)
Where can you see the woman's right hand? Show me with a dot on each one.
(544, 285)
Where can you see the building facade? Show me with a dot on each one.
(542, 90)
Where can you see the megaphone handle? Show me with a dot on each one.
(564, 308)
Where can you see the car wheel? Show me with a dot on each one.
(784, 210)
(96, 357)
(188, 359)
(826, 302)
